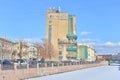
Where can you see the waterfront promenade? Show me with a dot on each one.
(96, 73)
(20, 74)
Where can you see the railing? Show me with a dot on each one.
(42, 65)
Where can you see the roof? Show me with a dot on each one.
(104, 54)
(5, 40)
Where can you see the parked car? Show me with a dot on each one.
(6, 65)
(55, 63)
(6, 62)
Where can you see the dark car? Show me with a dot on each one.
(6, 62)
(6, 65)
(32, 64)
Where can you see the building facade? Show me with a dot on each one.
(25, 50)
(32, 51)
(82, 52)
(86, 52)
(6, 49)
(61, 34)
(91, 53)
(20, 50)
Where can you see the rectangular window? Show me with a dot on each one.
(60, 46)
(50, 22)
(60, 52)
(50, 33)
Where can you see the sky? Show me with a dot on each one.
(97, 20)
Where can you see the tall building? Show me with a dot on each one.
(61, 34)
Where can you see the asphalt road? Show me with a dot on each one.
(97, 73)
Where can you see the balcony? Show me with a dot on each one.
(72, 49)
(71, 55)
(62, 41)
(72, 36)
(66, 42)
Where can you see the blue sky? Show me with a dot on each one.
(97, 20)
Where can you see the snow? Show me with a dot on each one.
(97, 73)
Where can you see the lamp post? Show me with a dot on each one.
(2, 53)
(2, 49)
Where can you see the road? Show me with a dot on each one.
(97, 73)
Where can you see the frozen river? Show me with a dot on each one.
(97, 73)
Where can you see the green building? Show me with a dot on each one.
(83, 53)
(86, 52)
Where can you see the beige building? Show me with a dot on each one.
(61, 34)
(25, 50)
(20, 50)
(91, 53)
(6, 49)
(17, 49)
(32, 51)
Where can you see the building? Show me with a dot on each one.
(82, 52)
(91, 53)
(86, 52)
(25, 50)
(102, 57)
(20, 50)
(6, 49)
(61, 35)
(32, 51)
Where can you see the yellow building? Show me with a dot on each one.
(61, 34)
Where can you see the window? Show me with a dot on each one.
(60, 52)
(50, 16)
(50, 22)
(60, 46)
(50, 33)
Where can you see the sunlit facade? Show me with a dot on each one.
(61, 33)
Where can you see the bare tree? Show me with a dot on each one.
(46, 50)
(50, 51)
(20, 50)
(14, 54)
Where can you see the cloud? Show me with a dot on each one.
(89, 41)
(108, 47)
(112, 44)
(102, 48)
(85, 33)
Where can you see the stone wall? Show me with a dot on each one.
(21, 74)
